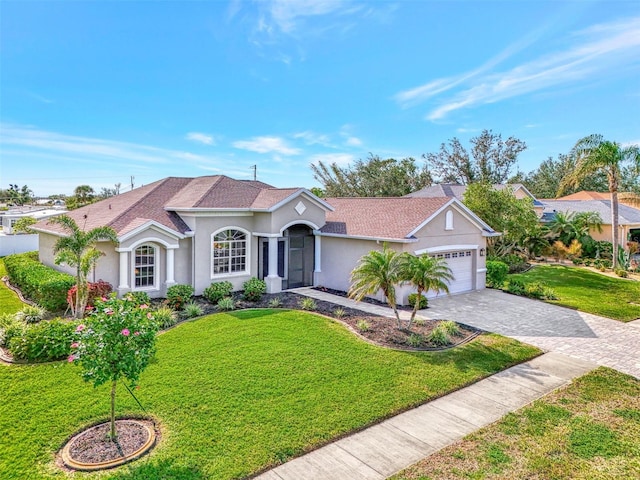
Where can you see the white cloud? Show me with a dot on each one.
(286, 14)
(266, 144)
(353, 142)
(313, 138)
(594, 52)
(199, 137)
(341, 159)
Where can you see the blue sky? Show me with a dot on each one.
(95, 92)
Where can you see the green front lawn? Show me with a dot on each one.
(588, 430)
(9, 301)
(236, 393)
(588, 291)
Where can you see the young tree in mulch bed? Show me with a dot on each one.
(117, 341)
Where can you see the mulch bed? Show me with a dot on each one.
(380, 330)
(94, 446)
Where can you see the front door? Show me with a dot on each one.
(301, 256)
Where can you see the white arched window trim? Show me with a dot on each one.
(448, 220)
(141, 263)
(231, 253)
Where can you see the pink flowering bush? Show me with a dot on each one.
(105, 349)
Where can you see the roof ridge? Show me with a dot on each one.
(202, 197)
(127, 210)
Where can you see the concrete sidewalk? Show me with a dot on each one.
(384, 449)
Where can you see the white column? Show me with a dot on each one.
(170, 266)
(317, 267)
(318, 254)
(124, 270)
(274, 282)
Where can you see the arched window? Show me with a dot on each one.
(448, 220)
(229, 252)
(145, 268)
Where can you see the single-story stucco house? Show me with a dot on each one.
(213, 228)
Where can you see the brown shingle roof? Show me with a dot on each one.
(157, 202)
(586, 195)
(393, 218)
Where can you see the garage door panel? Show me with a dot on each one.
(461, 265)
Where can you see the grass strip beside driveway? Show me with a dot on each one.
(588, 430)
(588, 291)
(236, 393)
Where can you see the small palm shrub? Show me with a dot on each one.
(192, 310)
(496, 273)
(451, 327)
(413, 298)
(226, 304)
(414, 340)
(31, 314)
(534, 290)
(254, 289)
(420, 322)
(307, 303)
(339, 313)
(217, 291)
(363, 325)
(275, 302)
(439, 336)
(165, 317)
(178, 295)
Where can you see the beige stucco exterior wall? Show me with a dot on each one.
(286, 215)
(341, 255)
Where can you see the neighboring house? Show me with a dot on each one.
(628, 217)
(207, 229)
(11, 243)
(457, 191)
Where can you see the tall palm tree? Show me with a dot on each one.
(379, 270)
(78, 249)
(595, 154)
(427, 273)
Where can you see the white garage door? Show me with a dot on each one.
(461, 265)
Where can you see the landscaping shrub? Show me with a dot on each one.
(515, 262)
(178, 295)
(97, 290)
(414, 340)
(413, 298)
(621, 272)
(254, 288)
(217, 291)
(516, 287)
(363, 325)
(534, 290)
(9, 328)
(450, 327)
(226, 304)
(30, 314)
(339, 313)
(439, 336)
(44, 285)
(139, 298)
(192, 310)
(496, 273)
(307, 303)
(596, 249)
(44, 341)
(275, 302)
(165, 317)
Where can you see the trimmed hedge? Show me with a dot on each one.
(43, 342)
(44, 285)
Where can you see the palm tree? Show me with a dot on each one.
(427, 273)
(379, 270)
(78, 249)
(595, 154)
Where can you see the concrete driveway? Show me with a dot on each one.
(549, 327)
